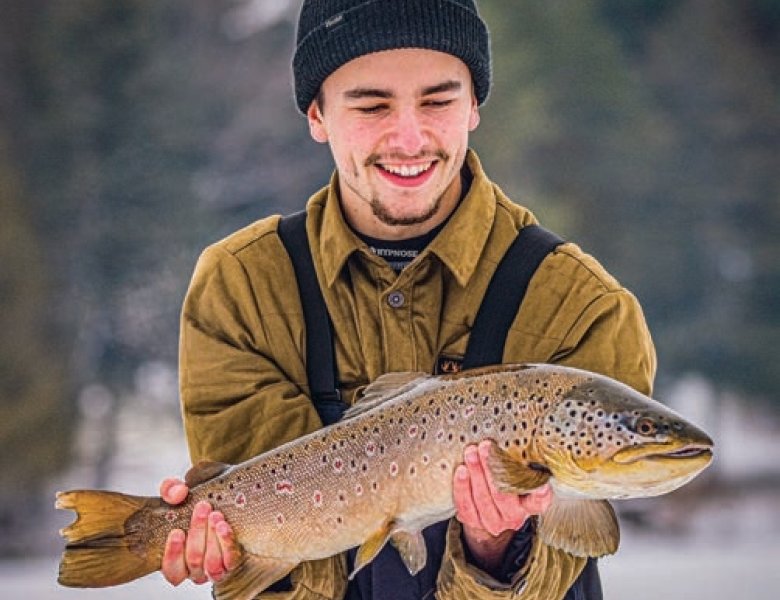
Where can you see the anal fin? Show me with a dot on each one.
(580, 527)
(411, 547)
(251, 576)
(371, 547)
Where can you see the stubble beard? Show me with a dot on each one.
(381, 212)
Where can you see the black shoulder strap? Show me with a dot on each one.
(498, 310)
(505, 294)
(320, 362)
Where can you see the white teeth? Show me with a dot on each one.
(407, 170)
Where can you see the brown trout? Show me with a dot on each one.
(385, 472)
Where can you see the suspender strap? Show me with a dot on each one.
(505, 294)
(320, 362)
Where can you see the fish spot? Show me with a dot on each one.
(341, 495)
(284, 488)
(440, 435)
(412, 470)
(358, 489)
(240, 500)
(338, 465)
(393, 469)
(425, 459)
(412, 431)
(316, 498)
(170, 516)
(444, 465)
(280, 519)
(469, 411)
(374, 486)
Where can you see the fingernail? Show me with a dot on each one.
(223, 529)
(177, 536)
(462, 473)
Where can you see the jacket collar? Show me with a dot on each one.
(459, 245)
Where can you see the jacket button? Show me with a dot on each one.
(396, 299)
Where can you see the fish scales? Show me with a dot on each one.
(387, 468)
(396, 461)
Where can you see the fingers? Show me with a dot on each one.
(465, 510)
(206, 553)
(231, 552)
(174, 569)
(195, 549)
(174, 491)
(538, 501)
(480, 505)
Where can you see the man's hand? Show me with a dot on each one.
(489, 517)
(207, 552)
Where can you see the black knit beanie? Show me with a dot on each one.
(333, 32)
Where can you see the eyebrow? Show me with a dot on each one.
(366, 92)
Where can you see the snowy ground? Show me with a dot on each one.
(642, 570)
(726, 546)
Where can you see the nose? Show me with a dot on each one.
(408, 133)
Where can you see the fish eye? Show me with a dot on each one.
(645, 426)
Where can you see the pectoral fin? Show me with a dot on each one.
(580, 527)
(371, 547)
(411, 547)
(250, 577)
(511, 475)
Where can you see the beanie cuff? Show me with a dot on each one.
(442, 25)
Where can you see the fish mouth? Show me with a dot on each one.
(658, 452)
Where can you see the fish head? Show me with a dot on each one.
(606, 440)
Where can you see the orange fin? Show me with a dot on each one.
(511, 475)
(101, 549)
(251, 576)
(580, 527)
(203, 471)
(371, 547)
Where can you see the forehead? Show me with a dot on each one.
(399, 71)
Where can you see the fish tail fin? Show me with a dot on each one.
(101, 550)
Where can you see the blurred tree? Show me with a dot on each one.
(717, 85)
(37, 424)
(648, 131)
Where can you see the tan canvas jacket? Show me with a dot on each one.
(243, 377)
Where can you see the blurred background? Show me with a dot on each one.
(135, 132)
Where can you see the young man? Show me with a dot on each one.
(394, 87)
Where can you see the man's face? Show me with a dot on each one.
(397, 123)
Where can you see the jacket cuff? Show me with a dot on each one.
(546, 575)
(324, 579)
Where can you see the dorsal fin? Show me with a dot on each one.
(204, 470)
(385, 387)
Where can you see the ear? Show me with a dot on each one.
(474, 114)
(317, 128)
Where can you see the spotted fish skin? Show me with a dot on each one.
(385, 471)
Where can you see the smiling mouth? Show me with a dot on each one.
(409, 171)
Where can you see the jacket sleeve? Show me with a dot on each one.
(609, 336)
(242, 382)
(546, 575)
